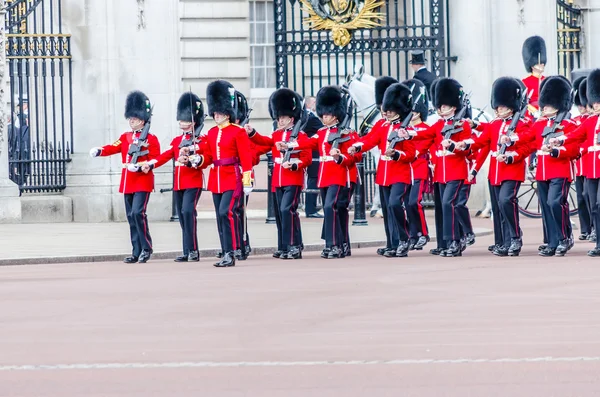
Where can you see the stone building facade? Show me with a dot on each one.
(167, 47)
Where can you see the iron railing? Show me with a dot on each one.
(568, 30)
(40, 128)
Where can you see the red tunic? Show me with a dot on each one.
(533, 83)
(579, 120)
(132, 182)
(422, 142)
(330, 172)
(184, 177)
(488, 143)
(586, 137)
(228, 148)
(549, 167)
(282, 176)
(448, 166)
(390, 171)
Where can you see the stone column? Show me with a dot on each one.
(10, 203)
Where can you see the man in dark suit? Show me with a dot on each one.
(312, 126)
(417, 62)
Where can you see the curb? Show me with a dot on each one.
(205, 253)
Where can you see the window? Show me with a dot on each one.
(262, 45)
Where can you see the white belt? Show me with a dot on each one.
(385, 158)
(595, 148)
(279, 160)
(496, 154)
(442, 153)
(326, 158)
(542, 153)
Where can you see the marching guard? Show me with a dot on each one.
(534, 59)
(583, 202)
(136, 147)
(289, 169)
(419, 232)
(337, 173)
(449, 165)
(230, 177)
(188, 177)
(587, 135)
(554, 171)
(507, 165)
(394, 172)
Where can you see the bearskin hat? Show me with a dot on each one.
(138, 105)
(242, 107)
(556, 91)
(448, 92)
(285, 102)
(219, 99)
(331, 100)
(593, 87)
(382, 84)
(422, 106)
(576, 84)
(397, 99)
(190, 106)
(582, 93)
(533, 52)
(507, 91)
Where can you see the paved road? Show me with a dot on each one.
(421, 326)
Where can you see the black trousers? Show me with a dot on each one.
(462, 211)
(135, 208)
(583, 206)
(553, 195)
(186, 201)
(310, 199)
(343, 208)
(225, 208)
(242, 238)
(395, 195)
(593, 194)
(439, 216)
(507, 225)
(388, 230)
(414, 210)
(332, 231)
(450, 192)
(588, 192)
(289, 232)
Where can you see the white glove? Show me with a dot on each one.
(248, 190)
(95, 152)
(133, 167)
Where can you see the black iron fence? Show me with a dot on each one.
(40, 129)
(568, 30)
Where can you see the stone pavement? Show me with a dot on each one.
(96, 242)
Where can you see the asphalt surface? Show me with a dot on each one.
(362, 326)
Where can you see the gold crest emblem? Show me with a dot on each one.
(341, 16)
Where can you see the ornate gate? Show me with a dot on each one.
(308, 59)
(40, 125)
(568, 29)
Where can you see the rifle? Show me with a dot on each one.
(138, 149)
(456, 126)
(551, 131)
(341, 135)
(516, 117)
(299, 126)
(393, 137)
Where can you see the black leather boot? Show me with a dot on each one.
(563, 247)
(411, 244)
(335, 253)
(500, 251)
(294, 253)
(145, 256)
(227, 261)
(470, 239)
(239, 255)
(194, 256)
(131, 259)
(594, 252)
(182, 258)
(325, 253)
(436, 251)
(390, 253)
(219, 255)
(277, 254)
(402, 250)
(381, 251)
(491, 248)
(455, 249)
(547, 251)
(247, 251)
(421, 242)
(515, 247)
(346, 249)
